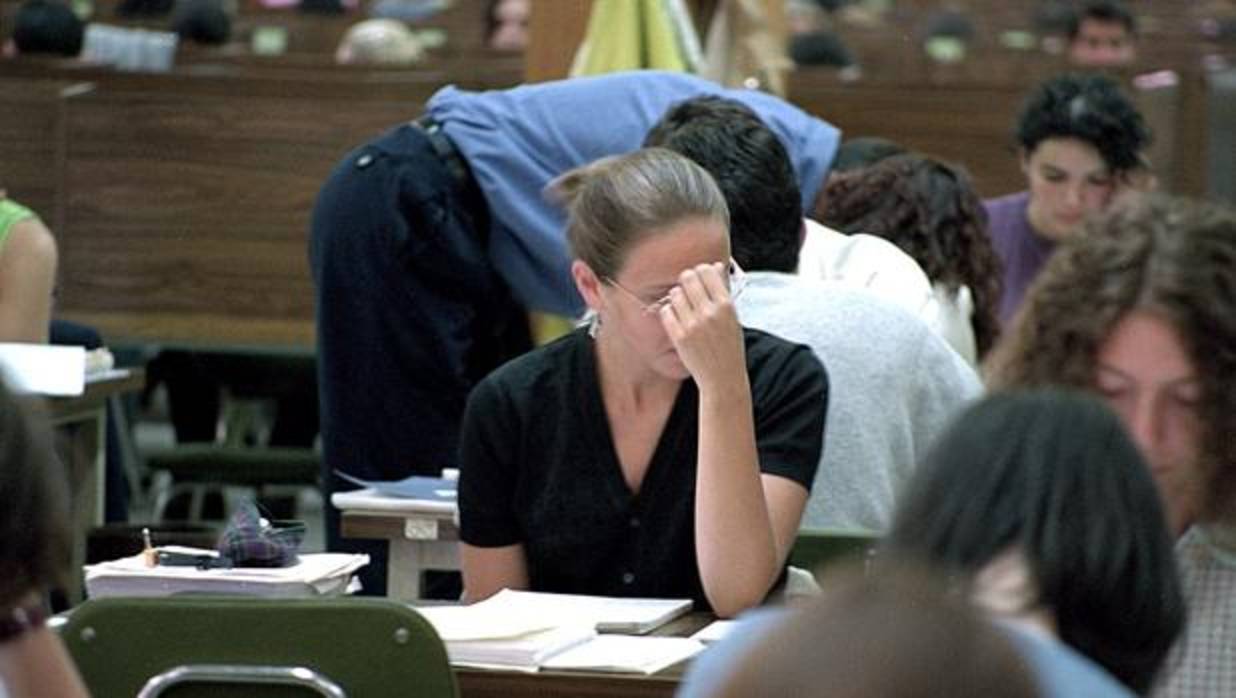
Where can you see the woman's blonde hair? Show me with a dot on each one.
(614, 203)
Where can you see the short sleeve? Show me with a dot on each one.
(488, 468)
(790, 392)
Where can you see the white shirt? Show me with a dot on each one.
(873, 263)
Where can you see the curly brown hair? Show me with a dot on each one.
(929, 209)
(1170, 256)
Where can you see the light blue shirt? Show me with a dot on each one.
(517, 141)
(1059, 671)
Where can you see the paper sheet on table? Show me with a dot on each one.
(43, 368)
(626, 654)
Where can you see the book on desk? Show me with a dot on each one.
(533, 630)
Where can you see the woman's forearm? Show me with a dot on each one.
(735, 543)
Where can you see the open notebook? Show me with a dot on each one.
(531, 630)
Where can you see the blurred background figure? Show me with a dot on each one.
(947, 33)
(508, 30)
(203, 22)
(379, 41)
(45, 27)
(1102, 34)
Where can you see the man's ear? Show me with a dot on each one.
(588, 284)
(1023, 157)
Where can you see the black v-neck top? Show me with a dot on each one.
(538, 467)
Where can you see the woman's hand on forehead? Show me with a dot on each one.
(703, 325)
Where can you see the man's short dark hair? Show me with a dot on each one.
(1106, 11)
(46, 26)
(753, 170)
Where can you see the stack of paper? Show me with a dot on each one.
(475, 636)
(625, 654)
(714, 631)
(608, 614)
(317, 574)
(530, 630)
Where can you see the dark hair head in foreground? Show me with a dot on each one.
(1052, 476)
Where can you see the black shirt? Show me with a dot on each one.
(538, 467)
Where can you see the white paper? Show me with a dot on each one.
(714, 631)
(43, 368)
(625, 654)
(607, 613)
(476, 622)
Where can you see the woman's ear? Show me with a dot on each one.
(588, 284)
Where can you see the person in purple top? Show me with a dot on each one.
(1081, 143)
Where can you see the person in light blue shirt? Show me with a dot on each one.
(515, 141)
(430, 243)
(1057, 670)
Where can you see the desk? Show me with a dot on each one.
(483, 683)
(419, 540)
(82, 425)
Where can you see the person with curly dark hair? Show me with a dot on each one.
(929, 209)
(1141, 309)
(1081, 140)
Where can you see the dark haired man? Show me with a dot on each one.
(893, 382)
(1102, 34)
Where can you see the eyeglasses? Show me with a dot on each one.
(736, 277)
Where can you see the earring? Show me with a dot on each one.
(594, 324)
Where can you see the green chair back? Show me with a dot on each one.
(815, 549)
(369, 647)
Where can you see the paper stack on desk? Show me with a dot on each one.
(319, 574)
(530, 630)
(477, 636)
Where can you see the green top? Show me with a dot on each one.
(11, 213)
